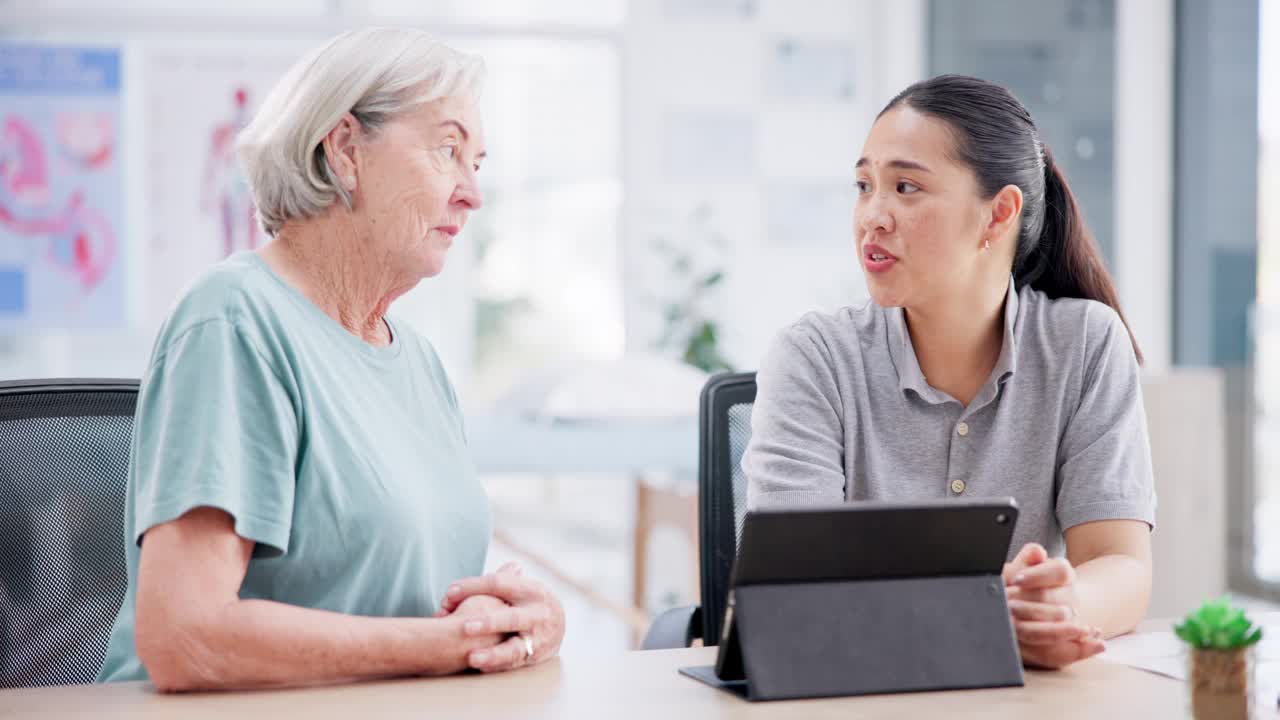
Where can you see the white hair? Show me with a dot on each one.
(376, 74)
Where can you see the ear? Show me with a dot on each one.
(1006, 213)
(340, 149)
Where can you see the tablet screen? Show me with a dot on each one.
(872, 540)
(863, 541)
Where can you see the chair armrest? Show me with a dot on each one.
(675, 628)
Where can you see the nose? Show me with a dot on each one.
(873, 215)
(468, 192)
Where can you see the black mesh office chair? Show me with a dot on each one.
(64, 458)
(724, 426)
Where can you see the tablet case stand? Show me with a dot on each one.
(861, 637)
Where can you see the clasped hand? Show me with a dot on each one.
(510, 614)
(1043, 602)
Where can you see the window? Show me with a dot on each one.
(1226, 279)
(1059, 59)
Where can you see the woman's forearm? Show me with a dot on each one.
(1113, 592)
(259, 643)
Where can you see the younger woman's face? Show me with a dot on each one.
(919, 218)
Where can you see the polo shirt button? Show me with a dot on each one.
(962, 429)
(957, 486)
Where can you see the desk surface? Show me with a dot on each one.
(631, 685)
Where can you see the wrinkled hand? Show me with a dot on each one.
(479, 606)
(531, 613)
(450, 603)
(1042, 601)
(474, 606)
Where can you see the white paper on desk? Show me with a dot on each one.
(1163, 653)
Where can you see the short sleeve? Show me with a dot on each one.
(796, 452)
(1104, 460)
(215, 426)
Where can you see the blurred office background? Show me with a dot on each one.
(669, 183)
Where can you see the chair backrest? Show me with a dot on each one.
(724, 427)
(64, 458)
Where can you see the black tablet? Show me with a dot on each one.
(865, 541)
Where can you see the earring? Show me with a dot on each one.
(351, 182)
(986, 244)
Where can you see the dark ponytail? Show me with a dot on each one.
(997, 139)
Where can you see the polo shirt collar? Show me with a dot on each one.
(910, 377)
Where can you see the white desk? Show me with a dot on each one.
(632, 685)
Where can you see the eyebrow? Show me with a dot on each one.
(900, 164)
(466, 136)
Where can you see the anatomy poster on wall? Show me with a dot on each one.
(198, 206)
(61, 189)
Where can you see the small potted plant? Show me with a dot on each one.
(1220, 660)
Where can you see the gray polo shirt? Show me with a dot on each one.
(843, 412)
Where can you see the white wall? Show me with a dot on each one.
(676, 65)
(1186, 420)
(681, 66)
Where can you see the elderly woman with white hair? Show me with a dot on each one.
(301, 506)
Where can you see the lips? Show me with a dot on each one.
(448, 231)
(876, 259)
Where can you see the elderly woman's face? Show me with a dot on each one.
(418, 182)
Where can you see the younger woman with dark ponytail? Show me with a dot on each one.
(992, 360)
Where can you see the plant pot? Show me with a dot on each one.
(1221, 683)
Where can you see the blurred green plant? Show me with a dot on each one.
(688, 327)
(1218, 625)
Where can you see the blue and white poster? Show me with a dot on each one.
(61, 189)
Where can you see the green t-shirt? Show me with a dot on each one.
(346, 463)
